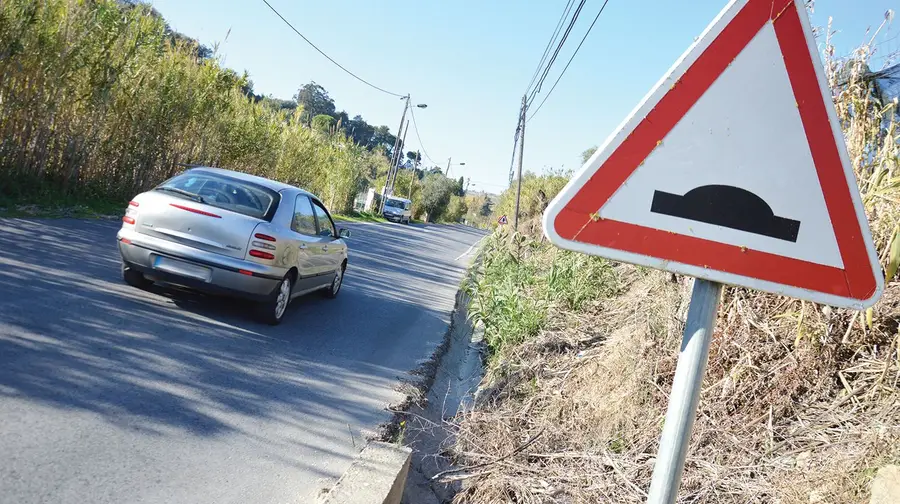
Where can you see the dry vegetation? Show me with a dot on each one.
(800, 402)
(98, 102)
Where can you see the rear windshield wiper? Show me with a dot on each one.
(195, 197)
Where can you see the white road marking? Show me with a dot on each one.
(467, 252)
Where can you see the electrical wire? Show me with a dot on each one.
(570, 61)
(550, 44)
(421, 145)
(327, 56)
(540, 83)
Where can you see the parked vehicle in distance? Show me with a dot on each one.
(397, 209)
(225, 232)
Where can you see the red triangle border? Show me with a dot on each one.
(857, 281)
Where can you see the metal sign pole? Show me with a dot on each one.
(685, 395)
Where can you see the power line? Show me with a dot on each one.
(327, 56)
(550, 43)
(540, 83)
(412, 113)
(883, 41)
(570, 60)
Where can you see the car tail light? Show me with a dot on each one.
(195, 210)
(265, 237)
(261, 255)
(131, 212)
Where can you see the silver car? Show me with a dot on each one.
(226, 232)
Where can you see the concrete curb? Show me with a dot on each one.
(377, 476)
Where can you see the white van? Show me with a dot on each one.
(397, 209)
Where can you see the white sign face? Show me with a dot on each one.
(732, 169)
(748, 154)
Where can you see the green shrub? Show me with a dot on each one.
(522, 279)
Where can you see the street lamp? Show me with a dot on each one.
(396, 154)
(448, 166)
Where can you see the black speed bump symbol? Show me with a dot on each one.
(727, 206)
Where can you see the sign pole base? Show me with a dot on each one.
(685, 395)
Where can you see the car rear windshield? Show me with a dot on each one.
(223, 192)
(395, 204)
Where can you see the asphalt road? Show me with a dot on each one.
(109, 394)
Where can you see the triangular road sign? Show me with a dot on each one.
(502, 220)
(732, 169)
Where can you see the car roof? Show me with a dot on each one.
(269, 183)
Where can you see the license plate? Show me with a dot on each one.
(182, 268)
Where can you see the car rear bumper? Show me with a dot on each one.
(182, 265)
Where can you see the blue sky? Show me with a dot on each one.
(470, 62)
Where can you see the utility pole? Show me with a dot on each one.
(394, 152)
(397, 148)
(400, 130)
(521, 153)
(396, 170)
(448, 167)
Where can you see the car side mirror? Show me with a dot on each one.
(344, 233)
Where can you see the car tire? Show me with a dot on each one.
(135, 278)
(335, 288)
(272, 310)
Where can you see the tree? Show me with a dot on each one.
(360, 131)
(341, 119)
(314, 100)
(382, 137)
(486, 208)
(587, 154)
(456, 209)
(414, 156)
(407, 185)
(537, 191)
(276, 104)
(247, 88)
(460, 187)
(323, 123)
(436, 192)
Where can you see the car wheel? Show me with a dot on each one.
(272, 310)
(336, 284)
(135, 278)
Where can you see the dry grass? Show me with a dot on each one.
(800, 403)
(778, 421)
